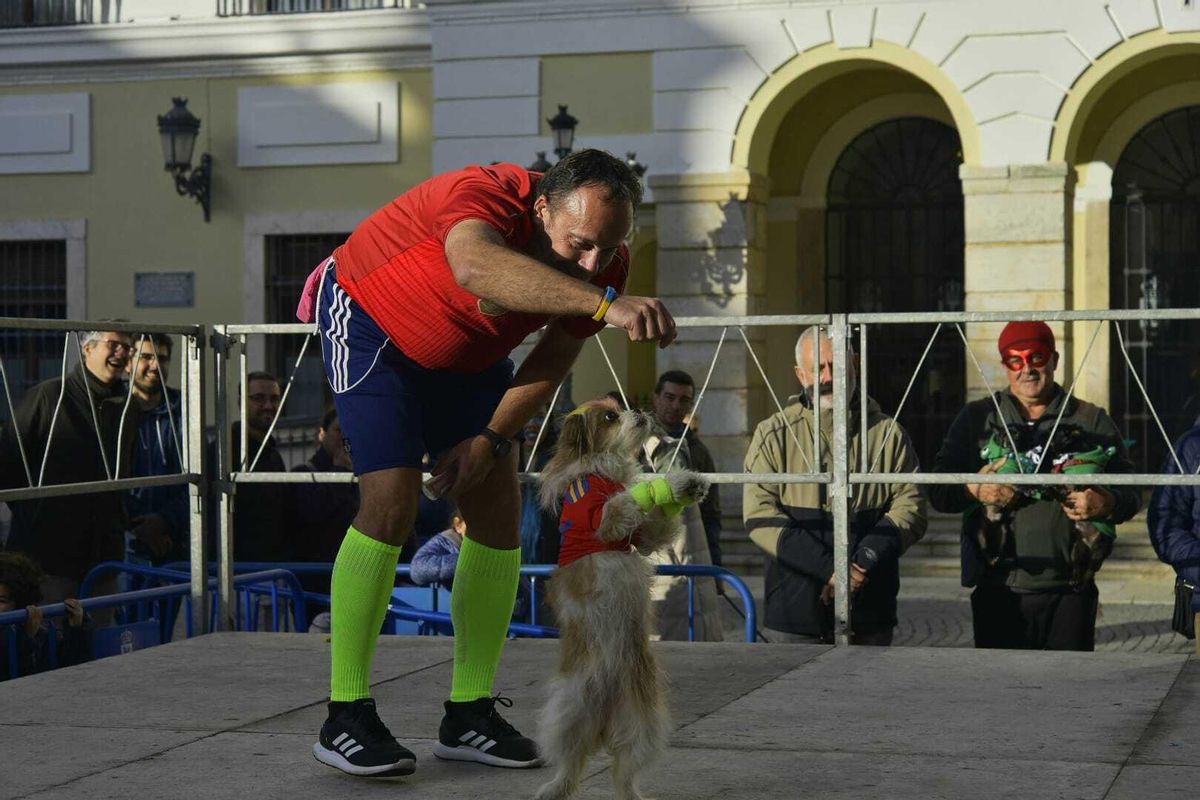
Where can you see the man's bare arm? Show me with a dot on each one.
(487, 267)
(540, 374)
(466, 464)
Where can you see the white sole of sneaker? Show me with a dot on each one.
(471, 754)
(332, 758)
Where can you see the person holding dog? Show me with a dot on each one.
(1024, 596)
(417, 313)
(793, 525)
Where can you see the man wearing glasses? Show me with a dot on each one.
(66, 536)
(1017, 555)
(158, 515)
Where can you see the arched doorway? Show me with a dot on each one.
(894, 242)
(1155, 263)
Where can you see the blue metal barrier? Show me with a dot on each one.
(534, 572)
(248, 583)
(251, 583)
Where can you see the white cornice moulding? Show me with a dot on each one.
(234, 37)
(417, 58)
(471, 12)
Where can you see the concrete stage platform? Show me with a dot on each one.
(235, 715)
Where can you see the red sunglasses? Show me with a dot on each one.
(1015, 360)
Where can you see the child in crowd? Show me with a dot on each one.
(437, 559)
(20, 580)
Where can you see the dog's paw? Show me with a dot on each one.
(555, 790)
(688, 487)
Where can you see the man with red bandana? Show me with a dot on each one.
(1026, 599)
(417, 313)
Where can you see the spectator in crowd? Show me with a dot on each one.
(20, 587)
(262, 518)
(539, 527)
(160, 525)
(1174, 515)
(1025, 596)
(323, 511)
(673, 397)
(68, 429)
(437, 559)
(793, 525)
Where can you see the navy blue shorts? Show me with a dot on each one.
(392, 410)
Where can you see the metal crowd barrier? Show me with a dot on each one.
(839, 480)
(250, 583)
(192, 436)
(535, 573)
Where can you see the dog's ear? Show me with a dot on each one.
(574, 438)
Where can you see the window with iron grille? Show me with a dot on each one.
(1154, 249)
(894, 242)
(289, 260)
(33, 284)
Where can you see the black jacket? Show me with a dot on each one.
(263, 517)
(323, 511)
(1041, 540)
(66, 536)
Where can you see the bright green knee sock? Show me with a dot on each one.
(363, 576)
(481, 606)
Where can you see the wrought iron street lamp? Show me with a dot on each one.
(563, 126)
(178, 129)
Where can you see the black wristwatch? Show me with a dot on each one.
(501, 446)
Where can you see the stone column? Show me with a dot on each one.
(1018, 256)
(1092, 198)
(711, 261)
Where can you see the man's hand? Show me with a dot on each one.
(998, 495)
(74, 612)
(645, 319)
(1089, 504)
(462, 467)
(34, 623)
(153, 531)
(858, 579)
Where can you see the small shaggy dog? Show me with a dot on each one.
(608, 691)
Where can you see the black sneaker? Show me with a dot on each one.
(357, 742)
(475, 731)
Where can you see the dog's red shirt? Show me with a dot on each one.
(583, 507)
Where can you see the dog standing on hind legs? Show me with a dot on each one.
(608, 691)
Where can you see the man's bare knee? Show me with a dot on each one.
(388, 505)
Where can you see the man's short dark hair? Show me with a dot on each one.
(259, 375)
(591, 167)
(674, 376)
(162, 340)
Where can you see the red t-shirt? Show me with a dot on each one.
(394, 265)
(583, 507)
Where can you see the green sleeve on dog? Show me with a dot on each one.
(640, 492)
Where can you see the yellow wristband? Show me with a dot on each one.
(610, 294)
